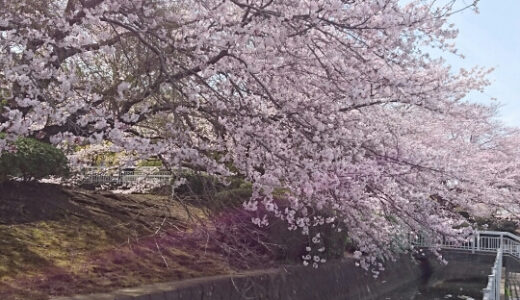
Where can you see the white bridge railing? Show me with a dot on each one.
(482, 241)
(104, 179)
(503, 243)
(100, 175)
(492, 290)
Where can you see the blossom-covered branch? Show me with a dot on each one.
(336, 102)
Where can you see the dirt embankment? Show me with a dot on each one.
(59, 241)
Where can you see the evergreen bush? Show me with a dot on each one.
(32, 160)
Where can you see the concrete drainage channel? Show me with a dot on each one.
(333, 281)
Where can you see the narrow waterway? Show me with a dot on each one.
(433, 289)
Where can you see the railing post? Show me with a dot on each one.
(489, 291)
(486, 292)
(499, 271)
(492, 291)
(478, 241)
(497, 285)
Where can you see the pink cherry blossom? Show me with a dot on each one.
(336, 102)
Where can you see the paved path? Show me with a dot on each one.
(513, 284)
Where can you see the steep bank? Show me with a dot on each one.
(59, 241)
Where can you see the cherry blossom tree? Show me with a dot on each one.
(336, 102)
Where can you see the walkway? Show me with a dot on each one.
(512, 284)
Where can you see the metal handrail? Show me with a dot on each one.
(503, 233)
(503, 243)
(492, 290)
(123, 178)
(481, 241)
(103, 175)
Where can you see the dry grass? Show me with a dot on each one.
(62, 242)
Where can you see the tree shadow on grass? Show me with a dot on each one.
(26, 202)
(56, 241)
(15, 255)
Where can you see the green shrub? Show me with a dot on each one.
(233, 197)
(292, 244)
(199, 185)
(32, 160)
(207, 191)
(336, 243)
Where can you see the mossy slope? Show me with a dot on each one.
(56, 241)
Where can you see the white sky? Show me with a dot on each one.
(492, 39)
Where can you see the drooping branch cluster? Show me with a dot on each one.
(333, 101)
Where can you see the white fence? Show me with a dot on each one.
(120, 179)
(492, 290)
(100, 175)
(503, 243)
(482, 241)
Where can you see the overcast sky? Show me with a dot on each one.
(492, 39)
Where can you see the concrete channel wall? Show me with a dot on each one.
(463, 265)
(339, 280)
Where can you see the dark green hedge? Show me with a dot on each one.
(32, 160)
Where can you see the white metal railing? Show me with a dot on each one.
(503, 243)
(103, 175)
(492, 290)
(103, 179)
(122, 170)
(481, 241)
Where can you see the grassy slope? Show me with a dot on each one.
(56, 241)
